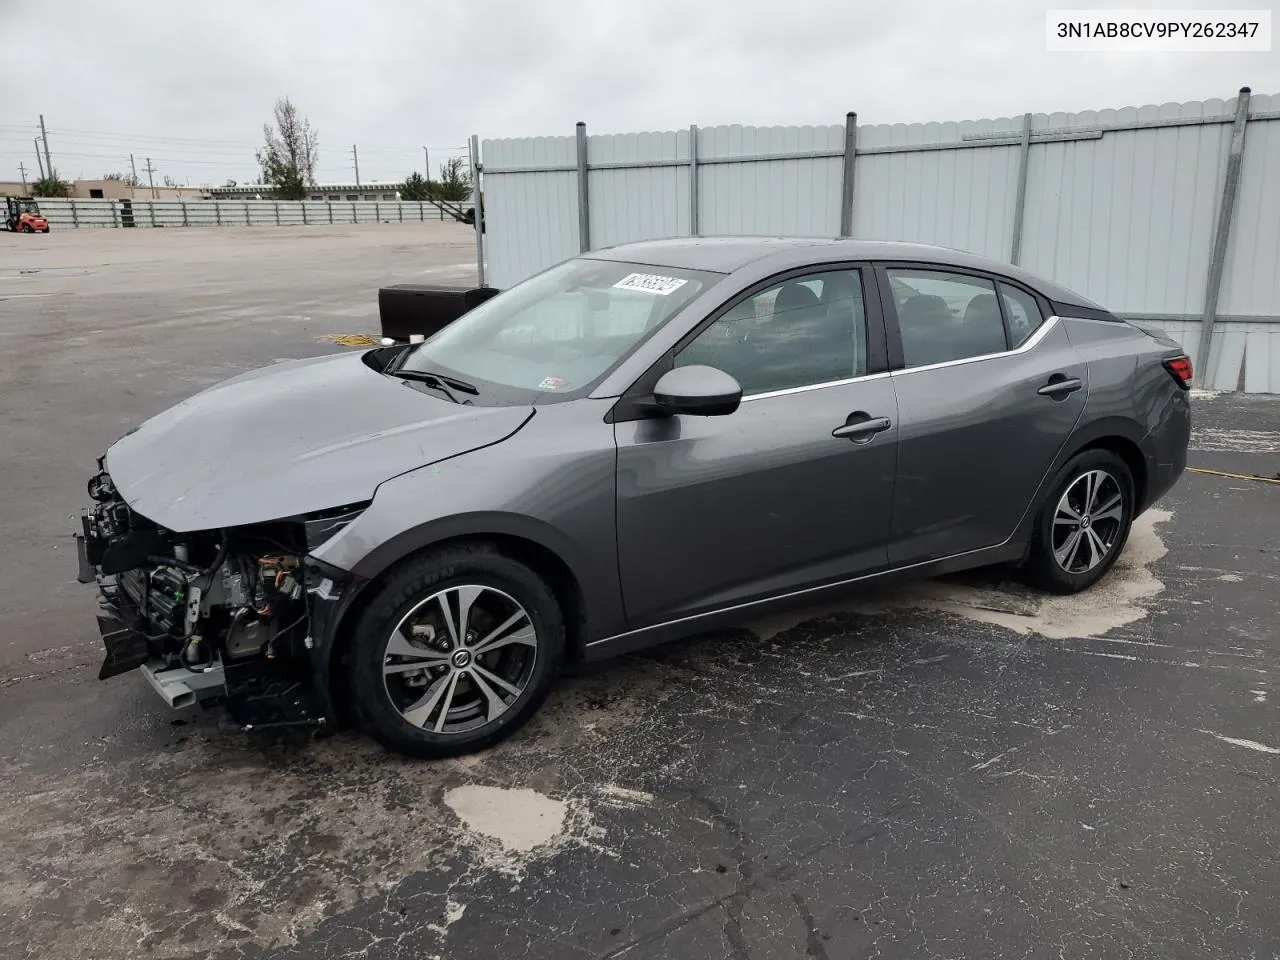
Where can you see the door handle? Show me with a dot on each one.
(861, 430)
(1060, 387)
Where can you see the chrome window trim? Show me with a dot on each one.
(814, 386)
(1029, 344)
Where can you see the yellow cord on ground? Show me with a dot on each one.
(349, 339)
(1234, 476)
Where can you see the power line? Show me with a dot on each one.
(150, 138)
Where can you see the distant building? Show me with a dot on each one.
(320, 191)
(111, 190)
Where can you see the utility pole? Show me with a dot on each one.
(23, 170)
(39, 162)
(427, 160)
(151, 177)
(356, 158)
(45, 137)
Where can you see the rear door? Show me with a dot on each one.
(989, 389)
(792, 490)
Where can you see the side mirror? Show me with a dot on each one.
(698, 390)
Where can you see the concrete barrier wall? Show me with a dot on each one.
(233, 213)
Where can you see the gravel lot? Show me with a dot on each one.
(956, 769)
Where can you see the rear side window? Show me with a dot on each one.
(1022, 313)
(946, 316)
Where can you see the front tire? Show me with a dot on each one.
(455, 652)
(1083, 523)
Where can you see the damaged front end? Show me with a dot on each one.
(238, 617)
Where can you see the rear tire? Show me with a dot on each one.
(1083, 523)
(455, 652)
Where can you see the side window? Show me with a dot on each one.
(803, 331)
(946, 316)
(1022, 313)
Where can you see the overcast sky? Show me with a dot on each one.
(190, 84)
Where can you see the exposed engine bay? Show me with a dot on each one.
(211, 616)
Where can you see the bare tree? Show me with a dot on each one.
(288, 158)
(128, 179)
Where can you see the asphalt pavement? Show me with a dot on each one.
(962, 768)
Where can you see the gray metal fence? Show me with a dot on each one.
(235, 213)
(1169, 215)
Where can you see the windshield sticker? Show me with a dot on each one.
(650, 283)
(551, 383)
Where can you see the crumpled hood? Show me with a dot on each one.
(290, 439)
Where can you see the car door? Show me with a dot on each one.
(989, 390)
(795, 487)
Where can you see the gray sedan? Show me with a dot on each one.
(635, 445)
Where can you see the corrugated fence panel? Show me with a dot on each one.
(531, 219)
(1251, 280)
(638, 203)
(1226, 358)
(774, 197)
(961, 198)
(1262, 357)
(1128, 219)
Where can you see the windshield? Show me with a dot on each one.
(561, 331)
(30, 206)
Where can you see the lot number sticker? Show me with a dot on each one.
(650, 283)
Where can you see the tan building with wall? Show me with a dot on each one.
(109, 190)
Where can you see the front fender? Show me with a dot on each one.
(551, 484)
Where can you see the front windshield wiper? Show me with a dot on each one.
(439, 381)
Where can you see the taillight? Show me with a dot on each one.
(1180, 367)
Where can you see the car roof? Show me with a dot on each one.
(729, 254)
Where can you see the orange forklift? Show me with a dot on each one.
(22, 215)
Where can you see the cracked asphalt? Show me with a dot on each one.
(959, 769)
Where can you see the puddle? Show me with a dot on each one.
(520, 820)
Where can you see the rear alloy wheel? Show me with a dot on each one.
(456, 652)
(1083, 524)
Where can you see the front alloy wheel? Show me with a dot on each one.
(454, 651)
(460, 659)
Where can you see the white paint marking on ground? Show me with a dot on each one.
(1112, 656)
(858, 673)
(453, 911)
(623, 796)
(1230, 578)
(1238, 742)
(1236, 441)
(1259, 696)
(1115, 601)
(520, 819)
(986, 763)
(1200, 394)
